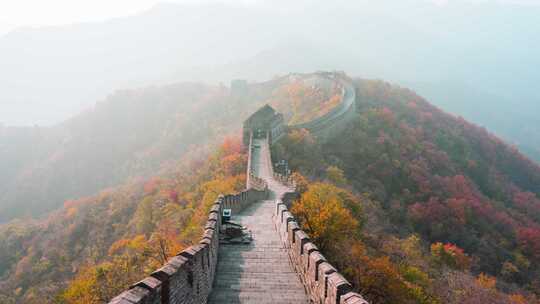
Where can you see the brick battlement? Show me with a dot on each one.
(322, 281)
(285, 180)
(188, 277)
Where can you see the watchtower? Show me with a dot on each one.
(265, 121)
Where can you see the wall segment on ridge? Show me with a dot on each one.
(332, 122)
(302, 270)
(189, 276)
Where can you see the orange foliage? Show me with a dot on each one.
(232, 145)
(517, 299)
(70, 212)
(233, 164)
(450, 255)
(486, 281)
(323, 216)
(151, 185)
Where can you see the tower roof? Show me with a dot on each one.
(265, 114)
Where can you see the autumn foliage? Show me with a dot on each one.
(322, 214)
(304, 99)
(95, 247)
(450, 255)
(472, 200)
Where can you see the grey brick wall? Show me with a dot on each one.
(187, 278)
(321, 280)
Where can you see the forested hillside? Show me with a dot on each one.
(412, 204)
(439, 210)
(118, 189)
(94, 247)
(130, 134)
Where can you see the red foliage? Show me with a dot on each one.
(526, 201)
(432, 211)
(458, 209)
(459, 187)
(529, 240)
(450, 255)
(387, 115)
(173, 196)
(232, 145)
(151, 185)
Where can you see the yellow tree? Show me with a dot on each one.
(323, 216)
(335, 175)
(301, 182)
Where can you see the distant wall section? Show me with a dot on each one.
(334, 121)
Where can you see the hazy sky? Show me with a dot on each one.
(17, 13)
(20, 13)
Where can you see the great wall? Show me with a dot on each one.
(280, 264)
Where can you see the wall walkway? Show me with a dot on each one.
(259, 272)
(280, 265)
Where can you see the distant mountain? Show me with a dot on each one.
(51, 73)
(48, 74)
(514, 119)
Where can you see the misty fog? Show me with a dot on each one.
(475, 59)
(406, 131)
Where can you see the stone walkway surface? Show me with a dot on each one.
(259, 272)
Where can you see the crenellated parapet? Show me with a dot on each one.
(322, 281)
(285, 180)
(187, 278)
(257, 183)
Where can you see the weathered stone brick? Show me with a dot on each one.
(325, 269)
(337, 286)
(136, 295)
(154, 286)
(352, 298)
(302, 239)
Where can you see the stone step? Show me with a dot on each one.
(239, 269)
(225, 296)
(246, 286)
(253, 281)
(255, 254)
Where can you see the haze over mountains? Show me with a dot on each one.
(117, 136)
(404, 167)
(473, 59)
(133, 134)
